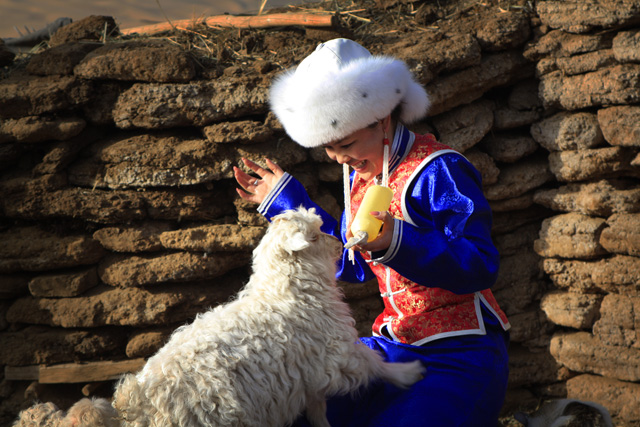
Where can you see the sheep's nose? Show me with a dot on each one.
(334, 242)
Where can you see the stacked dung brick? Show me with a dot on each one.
(119, 218)
(588, 65)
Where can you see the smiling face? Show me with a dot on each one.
(362, 150)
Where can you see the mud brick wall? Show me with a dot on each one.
(589, 81)
(119, 219)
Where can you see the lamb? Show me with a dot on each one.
(285, 343)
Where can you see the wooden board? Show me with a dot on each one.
(22, 373)
(88, 372)
(231, 21)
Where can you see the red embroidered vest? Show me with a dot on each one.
(416, 314)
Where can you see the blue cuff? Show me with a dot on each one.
(386, 257)
(268, 201)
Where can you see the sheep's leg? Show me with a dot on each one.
(403, 375)
(317, 411)
(399, 374)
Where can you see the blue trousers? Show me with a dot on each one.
(465, 385)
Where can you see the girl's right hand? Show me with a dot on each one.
(255, 190)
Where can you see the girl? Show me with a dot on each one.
(434, 258)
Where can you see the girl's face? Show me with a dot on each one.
(362, 150)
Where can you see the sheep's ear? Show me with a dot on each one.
(297, 242)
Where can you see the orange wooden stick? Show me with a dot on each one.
(232, 21)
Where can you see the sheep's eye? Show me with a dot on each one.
(314, 238)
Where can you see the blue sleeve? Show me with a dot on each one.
(288, 194)
(446, 240)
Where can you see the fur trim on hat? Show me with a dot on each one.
(318, 108)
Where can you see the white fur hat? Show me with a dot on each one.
(341, 88)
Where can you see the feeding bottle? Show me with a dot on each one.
(366, 227)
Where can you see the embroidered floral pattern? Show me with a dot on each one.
(414, 312)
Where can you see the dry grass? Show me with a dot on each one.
(368, 21)
(360, 20)
(364, 20)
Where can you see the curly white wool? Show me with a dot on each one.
(84, 413)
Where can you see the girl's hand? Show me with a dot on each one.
(255, 190)
(383, 241)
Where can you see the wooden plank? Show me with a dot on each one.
(88, 372)
(232, 21)
(22, 373)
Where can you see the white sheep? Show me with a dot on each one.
(285, 343)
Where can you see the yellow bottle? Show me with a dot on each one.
(365, 227)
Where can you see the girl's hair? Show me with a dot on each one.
(395, 116)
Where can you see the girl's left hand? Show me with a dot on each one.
(383, 241)
(255, 190)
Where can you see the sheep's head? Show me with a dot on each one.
(296, 233)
